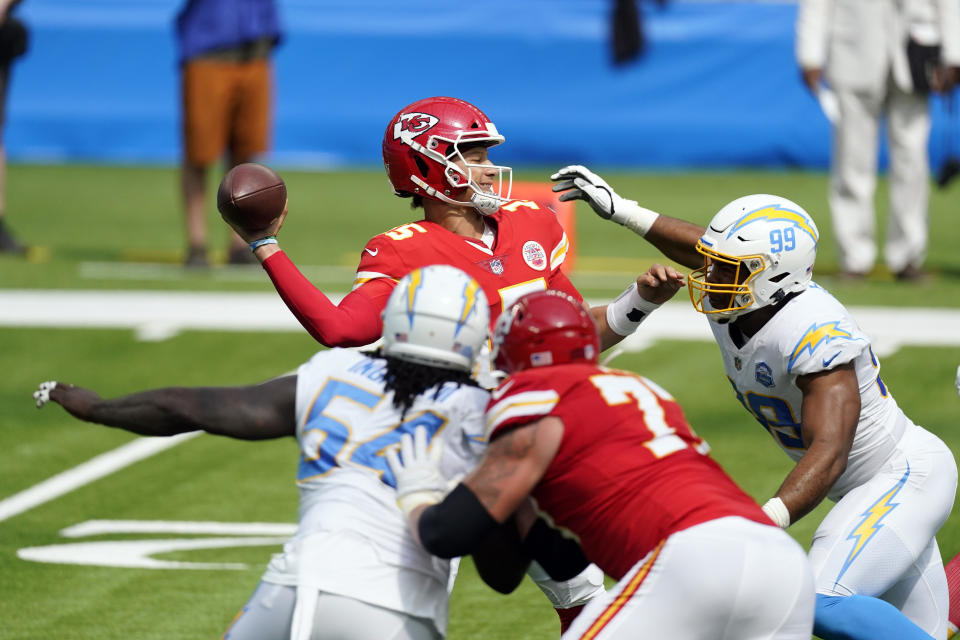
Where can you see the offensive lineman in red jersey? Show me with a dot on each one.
(436, 152)
(610, 461)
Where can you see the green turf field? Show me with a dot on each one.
(90, 224)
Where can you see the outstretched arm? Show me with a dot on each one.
(352, 323)
(621, 317)
(257, 412)
(831, 411)
(675, 238)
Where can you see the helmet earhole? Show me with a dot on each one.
(422, 166)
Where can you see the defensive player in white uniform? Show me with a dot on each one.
(800, 365)
(352, 569)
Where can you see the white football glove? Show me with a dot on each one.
(418, 476)
(42, 394)
(579, 183)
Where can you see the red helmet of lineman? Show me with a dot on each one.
(542, 329)
(423, 153)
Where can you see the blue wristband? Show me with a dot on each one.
(262, 241)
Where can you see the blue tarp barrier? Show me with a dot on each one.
(717, 88)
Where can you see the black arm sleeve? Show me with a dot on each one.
(500, 558)
(456, 526)
(560, 556)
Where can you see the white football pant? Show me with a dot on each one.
(726, 579)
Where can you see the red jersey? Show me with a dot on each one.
(629, 470)
(529, 247)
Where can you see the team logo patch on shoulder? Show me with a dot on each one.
(764, 374)
(534, 255)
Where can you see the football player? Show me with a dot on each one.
(610, 461)
(351, 570)
(436, 153)
(801, 366)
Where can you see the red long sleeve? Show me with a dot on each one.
(355, 322)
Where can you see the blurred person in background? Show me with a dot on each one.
(226, 78)
(13, 44)
(880, 58)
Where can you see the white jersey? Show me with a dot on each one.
(352, 539)
(813, 332)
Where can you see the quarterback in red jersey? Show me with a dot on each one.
(435, 151)
(609, 460)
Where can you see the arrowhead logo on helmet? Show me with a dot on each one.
(410, 125)
(433, 166)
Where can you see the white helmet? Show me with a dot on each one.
(436, 316)
(769, 244)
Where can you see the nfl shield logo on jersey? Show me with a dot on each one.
(534, 255)
(737, 362)
(764, 374)
(496, 266)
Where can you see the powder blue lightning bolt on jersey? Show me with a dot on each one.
(813, 332)
(351, 539)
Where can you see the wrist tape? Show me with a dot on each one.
(411, 501)
(777, 511)
(262, 241)
(634, 217)
(626, 313)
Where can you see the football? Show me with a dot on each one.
(251, 196)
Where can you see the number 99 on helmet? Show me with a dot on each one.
(757, 249)
(436, 316)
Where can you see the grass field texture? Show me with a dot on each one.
(118, 217)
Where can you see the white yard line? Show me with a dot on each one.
(157, 315)
(85, 473)
(103, 527)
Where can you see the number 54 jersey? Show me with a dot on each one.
(352, 539)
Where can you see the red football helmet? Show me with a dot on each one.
(542, 329)
(423, 140)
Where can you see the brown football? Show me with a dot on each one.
(251, 196)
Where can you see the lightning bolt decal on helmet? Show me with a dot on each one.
(436, 316)
(756, 250)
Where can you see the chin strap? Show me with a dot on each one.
(486, 204)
